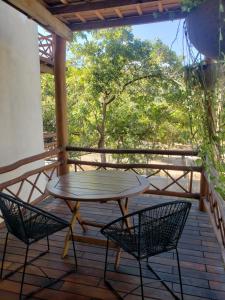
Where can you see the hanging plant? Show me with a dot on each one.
(203, 74)
(188, 5)
(206, 26)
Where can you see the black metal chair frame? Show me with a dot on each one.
(126, 228)
(36, 212)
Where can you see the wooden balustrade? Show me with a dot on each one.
(31, 184)
(215, 205)
(165, 179)
(186, 181)
(178, 176)
(46, 48)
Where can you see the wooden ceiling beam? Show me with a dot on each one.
(82, 19)
(92, 6)
(99, 15)
(118, 12)
(160, 6)
(36, 11)
(133, 20)
(140, 12)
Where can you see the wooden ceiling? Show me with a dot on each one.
(77, 15)
(92, 14)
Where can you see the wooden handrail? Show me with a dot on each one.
(135, 166)
(134, 151)
(215, 205)
(28, 174)
(28, 160)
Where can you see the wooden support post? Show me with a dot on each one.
(203, 191)
(60, 100)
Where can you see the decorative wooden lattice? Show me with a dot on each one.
(31, 185)
(46, 48)
(214, 204)
(164, 179)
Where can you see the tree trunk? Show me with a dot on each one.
(101, 141)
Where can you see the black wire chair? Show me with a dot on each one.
(148, 232)
(30, 224)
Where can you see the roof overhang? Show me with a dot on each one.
(64, 16)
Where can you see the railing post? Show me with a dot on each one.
(60, 100)
(203, 191)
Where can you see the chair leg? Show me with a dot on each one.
(179, 272)
(106, 259)
(54, 281)
(141, 279)
(165, 285)
(24, 269)
(105, 271)
(48, 243)
(3, 256)
(74, 251)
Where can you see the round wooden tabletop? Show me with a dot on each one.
(97, 185)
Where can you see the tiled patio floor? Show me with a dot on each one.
(201, 263)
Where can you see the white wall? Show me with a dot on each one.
(20, 106)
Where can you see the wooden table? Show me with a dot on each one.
(95, 186)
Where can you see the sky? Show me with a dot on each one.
(165, 31)
(170, 33)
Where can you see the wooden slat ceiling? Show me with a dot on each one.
(92, 14)
(64, 16)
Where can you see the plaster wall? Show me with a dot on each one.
(21, 132)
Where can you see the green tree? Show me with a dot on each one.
(48, 103)
(118, 71)
(122, 92)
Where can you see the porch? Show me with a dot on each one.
(202, 244)
(201, 252)
(201, 262)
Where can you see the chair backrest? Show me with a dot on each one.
(161, 226)
(12, 212)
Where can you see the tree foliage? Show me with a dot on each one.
(127, 93)
(122, 92)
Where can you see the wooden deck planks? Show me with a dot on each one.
(202, 266)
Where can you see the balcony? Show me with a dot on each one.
(202, 244)
(46, 52)
(201, 252)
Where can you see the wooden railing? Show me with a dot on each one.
(46, 48)
(27, 178)
(31, 184)
(215, 205)
(165, 179)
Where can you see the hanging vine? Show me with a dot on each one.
(205, 100)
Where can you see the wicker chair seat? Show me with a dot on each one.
(152, 240)
(38, 230)
(30, 224)
(148, 232)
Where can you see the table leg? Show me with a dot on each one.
(123, 205)
(71, 206)
(117, 260)
(73, 220)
